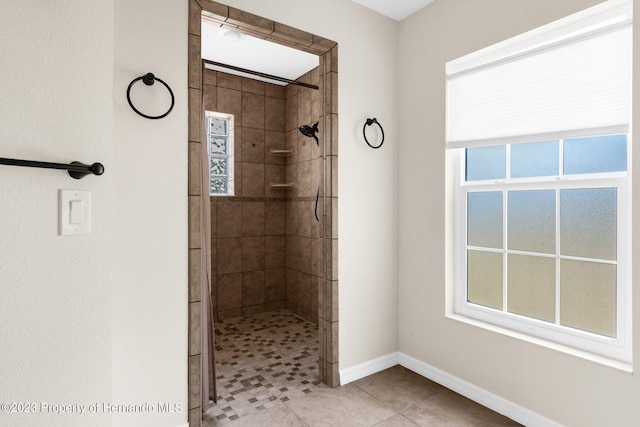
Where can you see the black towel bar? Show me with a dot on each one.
(76, 170)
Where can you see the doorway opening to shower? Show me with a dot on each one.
(272, 193)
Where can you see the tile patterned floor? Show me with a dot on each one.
(267, 376)
(262, 361)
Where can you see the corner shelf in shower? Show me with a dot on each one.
(281, 186)
(281, 153)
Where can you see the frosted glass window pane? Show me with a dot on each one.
(588, 223)
(535, 159)
(531, 286)
(218, 145)
(484, 271)
(595, 155)
(218, 165)
(588, 296)
(484, 219)
(532, 221)
(217, 125)
(486, 163)
(218, 185)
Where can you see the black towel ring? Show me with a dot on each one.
(369, 123)
(149, 79)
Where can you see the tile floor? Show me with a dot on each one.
(267, 376)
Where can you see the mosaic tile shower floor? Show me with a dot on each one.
(262, 361)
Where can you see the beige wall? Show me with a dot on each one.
(150, 293)
(55, 291)
(563, 388)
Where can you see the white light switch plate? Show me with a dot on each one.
(74, 212)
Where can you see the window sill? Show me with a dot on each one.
(601, 360)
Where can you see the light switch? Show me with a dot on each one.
(74, 212)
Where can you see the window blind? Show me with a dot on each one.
(545, 87)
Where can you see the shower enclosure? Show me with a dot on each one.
(268, 249)
(265, 236)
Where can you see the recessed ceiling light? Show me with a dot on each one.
(229, 35)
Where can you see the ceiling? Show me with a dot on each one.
(239, 50)
(394, 9)
(251, 53)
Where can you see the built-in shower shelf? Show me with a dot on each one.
(281, 153)
(281, 186)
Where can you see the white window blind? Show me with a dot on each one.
(573, 80)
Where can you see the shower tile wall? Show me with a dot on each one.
(248, 229)
(266, 252)
(303, 246)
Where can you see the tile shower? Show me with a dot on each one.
(265, 242)
(328, 319)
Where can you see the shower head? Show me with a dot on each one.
(310, 131)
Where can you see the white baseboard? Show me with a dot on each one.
(477, 394)
(485, 398)
(365, 369)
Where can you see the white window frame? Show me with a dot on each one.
(618, 348)
(465, 129)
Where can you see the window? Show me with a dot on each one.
(542, 191)
(219, 128)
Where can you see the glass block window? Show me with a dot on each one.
(219, 127)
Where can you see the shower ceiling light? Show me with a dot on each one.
(231, 36)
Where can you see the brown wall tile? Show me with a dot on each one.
(229, 81)
(252, 110)
(194, 222)
(210, 77)
(274, 140)
(253, 179)
(229, 291)
(275, 114)
(291, 109)
(248, 20)
(291, 289)
(252, 86)
(304, 255)
(194, 380)
(230, 314)
(195, 332)
(274, 218)
(274, 174)
(230, 102)
(195, 168)
(229, 215)
(274, 91)
(195, 63)
(275, 251)
(210, 98)
(275, 285)
(195, 114)
(195, 264)
(229, 255)
(253, 218)
(275, 305)
(253, 288)
(253, 251)
(253, 145)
